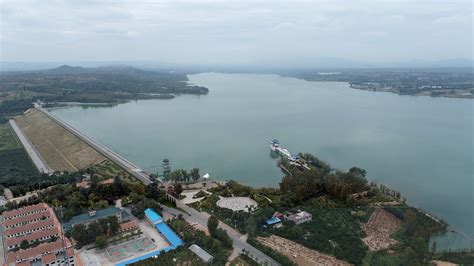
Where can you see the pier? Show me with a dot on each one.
(285, 153)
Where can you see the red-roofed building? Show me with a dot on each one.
(42, 235)
(23, 220)
(128, 226)
(28, 210)
(28, 228)
(38, 225)
(54, 254)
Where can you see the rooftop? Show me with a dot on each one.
(27, 254)
(88, 217)
(170, 235)
(24, 210)
(28, 227)
(163, 228)
(273, 220)
(153, 216)
(128, 225)
(27, 218)
(31, 237)
(201, 253)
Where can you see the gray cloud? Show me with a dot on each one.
(238, 32)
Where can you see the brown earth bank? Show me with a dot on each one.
(379, 229)
(442, 263)
(61, 150)
(299, 254)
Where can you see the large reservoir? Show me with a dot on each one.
(420, 146)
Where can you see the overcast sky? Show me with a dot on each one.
(235, 32)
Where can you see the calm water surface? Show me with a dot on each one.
(420, 146)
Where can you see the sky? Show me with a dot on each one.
(236, 32)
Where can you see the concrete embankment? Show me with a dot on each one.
(60, 150)
(109, 154)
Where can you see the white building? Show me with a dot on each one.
(300, 217)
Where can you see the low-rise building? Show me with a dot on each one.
(300, 217)
(201, 253)
(94, 215)
(38, 228)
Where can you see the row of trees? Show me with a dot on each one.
(218, 233)
(181, 175)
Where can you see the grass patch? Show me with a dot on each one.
(8, 139)
(15, 165)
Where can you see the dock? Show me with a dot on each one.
(285, 153)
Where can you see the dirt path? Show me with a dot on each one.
(299, 254)
(379, 229)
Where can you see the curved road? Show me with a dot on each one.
(239, 243)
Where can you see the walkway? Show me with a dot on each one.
(30, 149)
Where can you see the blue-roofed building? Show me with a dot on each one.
(153, 216)
(163, 228)
(273, 220)
(169, 234)
(172, 238)
(94, 215)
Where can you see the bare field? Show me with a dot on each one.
(61, 150)
(299, 254)
(380, 227)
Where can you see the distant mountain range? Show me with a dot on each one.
(262, 66)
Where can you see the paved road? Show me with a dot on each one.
(122, 162)
(239, 243)
(30, 149)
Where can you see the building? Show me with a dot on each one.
(171, 237)
(273, 221)
(92, 216)
(128, 226)
(201, 253)
(38, 227)
(157, 221)
(300, 217)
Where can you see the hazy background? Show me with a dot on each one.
(328, 33)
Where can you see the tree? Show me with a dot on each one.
(212, 224)
(195, 174)
(252, 226)
(184, 176)
(79, 233)
(103, 226)
(114, 226)
(24, 244)
(358, 171)
(175, 176)
(177, 190)
(101, 242)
